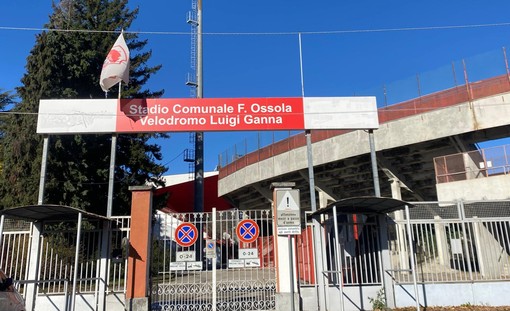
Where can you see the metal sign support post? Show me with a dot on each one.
(288, 216)
(44, 161)
(317, 245)
(291, 262)
(287, 211)
(33, 268)
(375, 172)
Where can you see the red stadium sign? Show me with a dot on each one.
(209, 114)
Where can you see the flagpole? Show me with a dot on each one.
(113, 153)
(105, 249)
(115, 70)
(109, 206)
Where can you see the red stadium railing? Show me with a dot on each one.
(449, 97)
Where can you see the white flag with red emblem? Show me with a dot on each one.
(116, 65)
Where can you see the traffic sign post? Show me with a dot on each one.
(210, 249)
(286, 207)
(186, 234)
(288, 220)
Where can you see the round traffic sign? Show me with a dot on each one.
(247, 231)
(186, 234)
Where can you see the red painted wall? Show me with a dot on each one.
(180, 196)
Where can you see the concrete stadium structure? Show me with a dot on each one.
(410, 136)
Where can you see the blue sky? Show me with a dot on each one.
(251, 49)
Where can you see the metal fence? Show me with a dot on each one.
(56, 266)
(351, 242)
(472, 165)
(453, 242)
(14, 249)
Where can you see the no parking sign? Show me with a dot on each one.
(247, 231)
(186, 234)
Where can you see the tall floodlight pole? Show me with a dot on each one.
(198, 202)
(199, 136)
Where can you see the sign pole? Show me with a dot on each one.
(316, 227)
(291, 261)
(288, 222)
(373, 161)
(44, 161)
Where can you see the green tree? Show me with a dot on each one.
(6, 100)
(65, 62)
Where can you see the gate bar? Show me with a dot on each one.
(2, 219)
(413, 267)
(213, 262)
(339, 260)
(77, 253)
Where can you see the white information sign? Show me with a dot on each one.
(177, 266)
(289, 230)
(236, 263)
(288, 214)
(248, 253)
(252, 263)
(194, 265)
(185, 256)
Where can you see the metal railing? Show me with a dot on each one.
(460, 242)
(453, 242)
(461, 81)
(475, 164)
(14, 249)
(57, 256)
(352, 253)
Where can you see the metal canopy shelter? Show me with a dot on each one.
(379, 207)
(38, 214)
(47, 212)
(364, 205)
